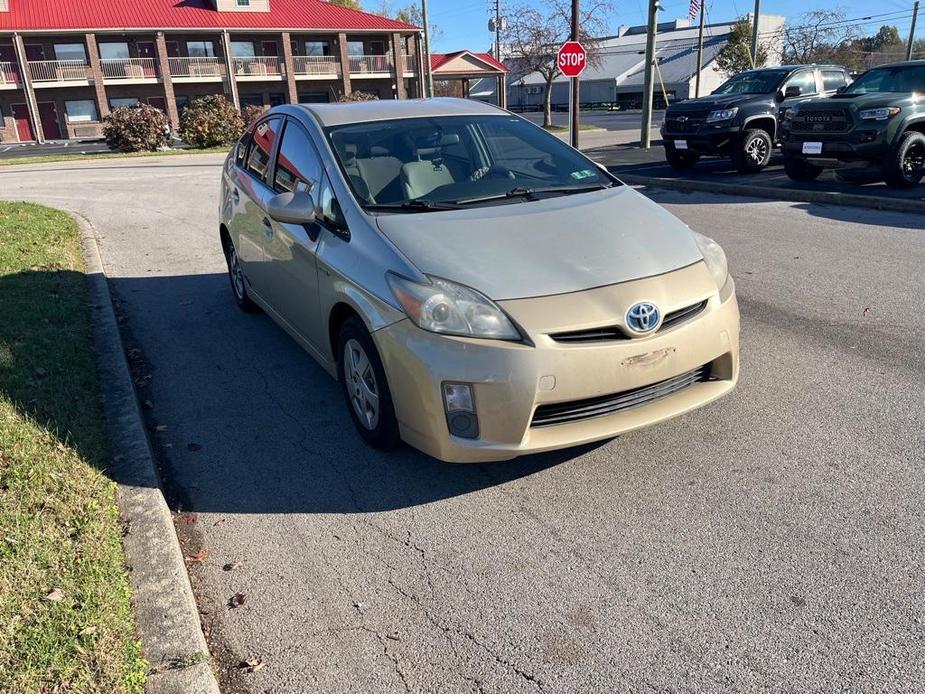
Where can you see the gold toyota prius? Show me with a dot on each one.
(479, 289)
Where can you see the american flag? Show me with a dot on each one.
(694, 10)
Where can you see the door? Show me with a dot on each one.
(271, 50)
(250, 193)
(8, 58)
(291, 248)
(35, 51)
(23, 123)
(48, 115)
(146, 50)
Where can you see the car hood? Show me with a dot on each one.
(869, 100)
(554, 246)
(712, 102)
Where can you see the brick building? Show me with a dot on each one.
(64, 64)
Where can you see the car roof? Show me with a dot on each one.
(365, 111)
(902, 63)
(791, 68)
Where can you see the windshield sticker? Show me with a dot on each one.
(584, 173)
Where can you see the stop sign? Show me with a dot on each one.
(572, 58)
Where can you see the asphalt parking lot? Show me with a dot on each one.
(772, 541)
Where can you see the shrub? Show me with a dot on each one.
(251, 112)
(136, 128)
(210, 121)
(357, 96)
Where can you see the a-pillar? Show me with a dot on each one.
(398, 67)
(96, 73)
(289, 66)
(163, 66)
(26, 76)
(344, 63)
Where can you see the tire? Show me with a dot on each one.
(238, 281)
(364, 385)
(906, 166)
(681, 161)
(753, 151)
(801, 170)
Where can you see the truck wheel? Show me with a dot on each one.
(801, 170)
(753, 151)
(681, 160)
(905, 168)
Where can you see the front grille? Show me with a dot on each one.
(821, 121)
(613, 332)
(683, 125)
(580, 410)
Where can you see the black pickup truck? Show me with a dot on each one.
(740, 118)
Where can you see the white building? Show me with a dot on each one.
(619, 76)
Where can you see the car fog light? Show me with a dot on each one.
(460, 410)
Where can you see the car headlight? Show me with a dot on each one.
(879, 113)
(714, 257)
(452, 309)
(722, 114)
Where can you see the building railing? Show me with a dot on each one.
(196, 67)
(315, 65)
(9, 73)
(369, 63)
(256, 65)
(410, 63)
(128, 68)
(59, 70)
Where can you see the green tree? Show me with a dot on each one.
(349, 4)
(736, 55)
(885, 39)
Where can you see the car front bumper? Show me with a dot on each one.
(862, 144)
(511, 380)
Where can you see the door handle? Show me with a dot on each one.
(267, 228)
(236, 196)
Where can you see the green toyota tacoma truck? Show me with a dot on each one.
(878, 120)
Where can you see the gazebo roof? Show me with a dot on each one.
(465, 63)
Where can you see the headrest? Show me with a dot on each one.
(379, 151)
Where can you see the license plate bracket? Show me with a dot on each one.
(812, 148)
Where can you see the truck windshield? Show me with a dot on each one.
(905, 79)
(754, 82)
(443, 162)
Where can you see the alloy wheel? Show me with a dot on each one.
(757, 150)
(914, 161)
(361, 384)
(237, 274)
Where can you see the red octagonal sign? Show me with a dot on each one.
(572, 58)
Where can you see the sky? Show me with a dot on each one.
(464, 23)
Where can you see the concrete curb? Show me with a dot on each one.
(165, 610)
(787, 194)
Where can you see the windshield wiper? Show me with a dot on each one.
(531, 194)
(416, 205)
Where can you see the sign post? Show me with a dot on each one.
(572, 59)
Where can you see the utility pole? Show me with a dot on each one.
(430, 76)
(703, 11)
(915, 15)
(649, 86)
(576, 102)
(755, 33)
(498, 30)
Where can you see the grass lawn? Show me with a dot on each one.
(93, 156)
(564, 128)
(66, 622)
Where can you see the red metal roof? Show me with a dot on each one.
(437, 60)
(47, 15)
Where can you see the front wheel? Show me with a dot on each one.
(905, 168)
(364, 385)
(681, 161)
(800, 169)
(753, 151)
(238, 282)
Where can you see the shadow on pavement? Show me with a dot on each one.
(242, 420)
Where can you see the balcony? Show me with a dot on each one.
(308, 66)
(9, 76)
(121, 69)
(197, 69)
(370, 65)
(52, 72)
(257, 67)
(410, 62)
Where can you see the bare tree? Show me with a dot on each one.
(817, 36)
(533, 36)
(410, 14)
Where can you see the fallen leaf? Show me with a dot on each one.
(231, 566)
(866, 310)
(189, 518)
(55, 595)
(198, 557)
(252, 665)
(236, 600)
(88, 631)
(218, 522)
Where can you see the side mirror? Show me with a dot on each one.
(841, 89)
(792, 91)
(292, 208)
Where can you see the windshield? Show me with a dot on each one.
(446, 161)
(757, 82)
(903, 79)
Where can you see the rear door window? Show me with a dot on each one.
(258, 156)
(833, 79)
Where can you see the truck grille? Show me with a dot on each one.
(821, 121)
(612, 332)
(601, 406)
(684, 123)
